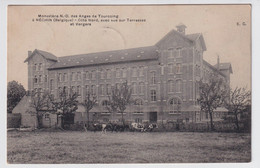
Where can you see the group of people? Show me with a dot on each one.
(116, 127)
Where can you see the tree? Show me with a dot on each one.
(41, 103)
(118, 100)
(239, 102)
(88, 104)
(15, 92)
(212, 95)
(66, 104)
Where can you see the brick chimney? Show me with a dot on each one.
(181, 28)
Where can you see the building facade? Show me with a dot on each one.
(164, 78)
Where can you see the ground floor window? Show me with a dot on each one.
(175, 106)
(105, 103)
(138, 120)
(47, 116)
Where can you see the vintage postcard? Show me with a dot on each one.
(129, 84)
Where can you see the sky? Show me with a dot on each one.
(221, 26)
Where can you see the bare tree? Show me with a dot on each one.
(66, 104)
(41, 103)
(238, 102)
(119, 99)
(89, 103)
(212, 95)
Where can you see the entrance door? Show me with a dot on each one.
(153, 117)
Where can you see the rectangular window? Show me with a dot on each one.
(93, 75)
(178, 68)
(102, 90)
(117, 73)
(124, 72)
(87, 89)
(73, 76)
(46, 78)
(87, 75)
(35, 79)
(47, 116)
(171, 86)
(40, 78)
(79, 90)
(40, 67)
(179, 52)
(73, 89)
(141, 71)
(35, 67)
(65, 77)
(170, 68)
(153, 78)
(102, 74)
(108, 89)
(153, 95)
(109, 76)
(93, 90)
(134, 72)
(79, 76)
(134, 88)
(141, 85)
(178, 86)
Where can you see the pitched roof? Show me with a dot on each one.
(223, 66)
(169, 34)
(116, 56)
(45, 54)
(190, 37)
(213, 68)
(193, 37)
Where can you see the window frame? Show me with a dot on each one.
(153, 95)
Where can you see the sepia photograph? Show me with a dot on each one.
(110, 84)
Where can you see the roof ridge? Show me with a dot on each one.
(109, 51)
(175, 31)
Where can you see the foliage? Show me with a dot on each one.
(119, 99)
(212, 95)
(89, 102)
(238, 103)
(66, 103)
(15, 92)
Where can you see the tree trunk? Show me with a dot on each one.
(123, 118)
(87, 119)
(211, 122)
(38, 121)
(237, 124)
(62, 122)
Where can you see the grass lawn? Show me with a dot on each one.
(127, 147)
